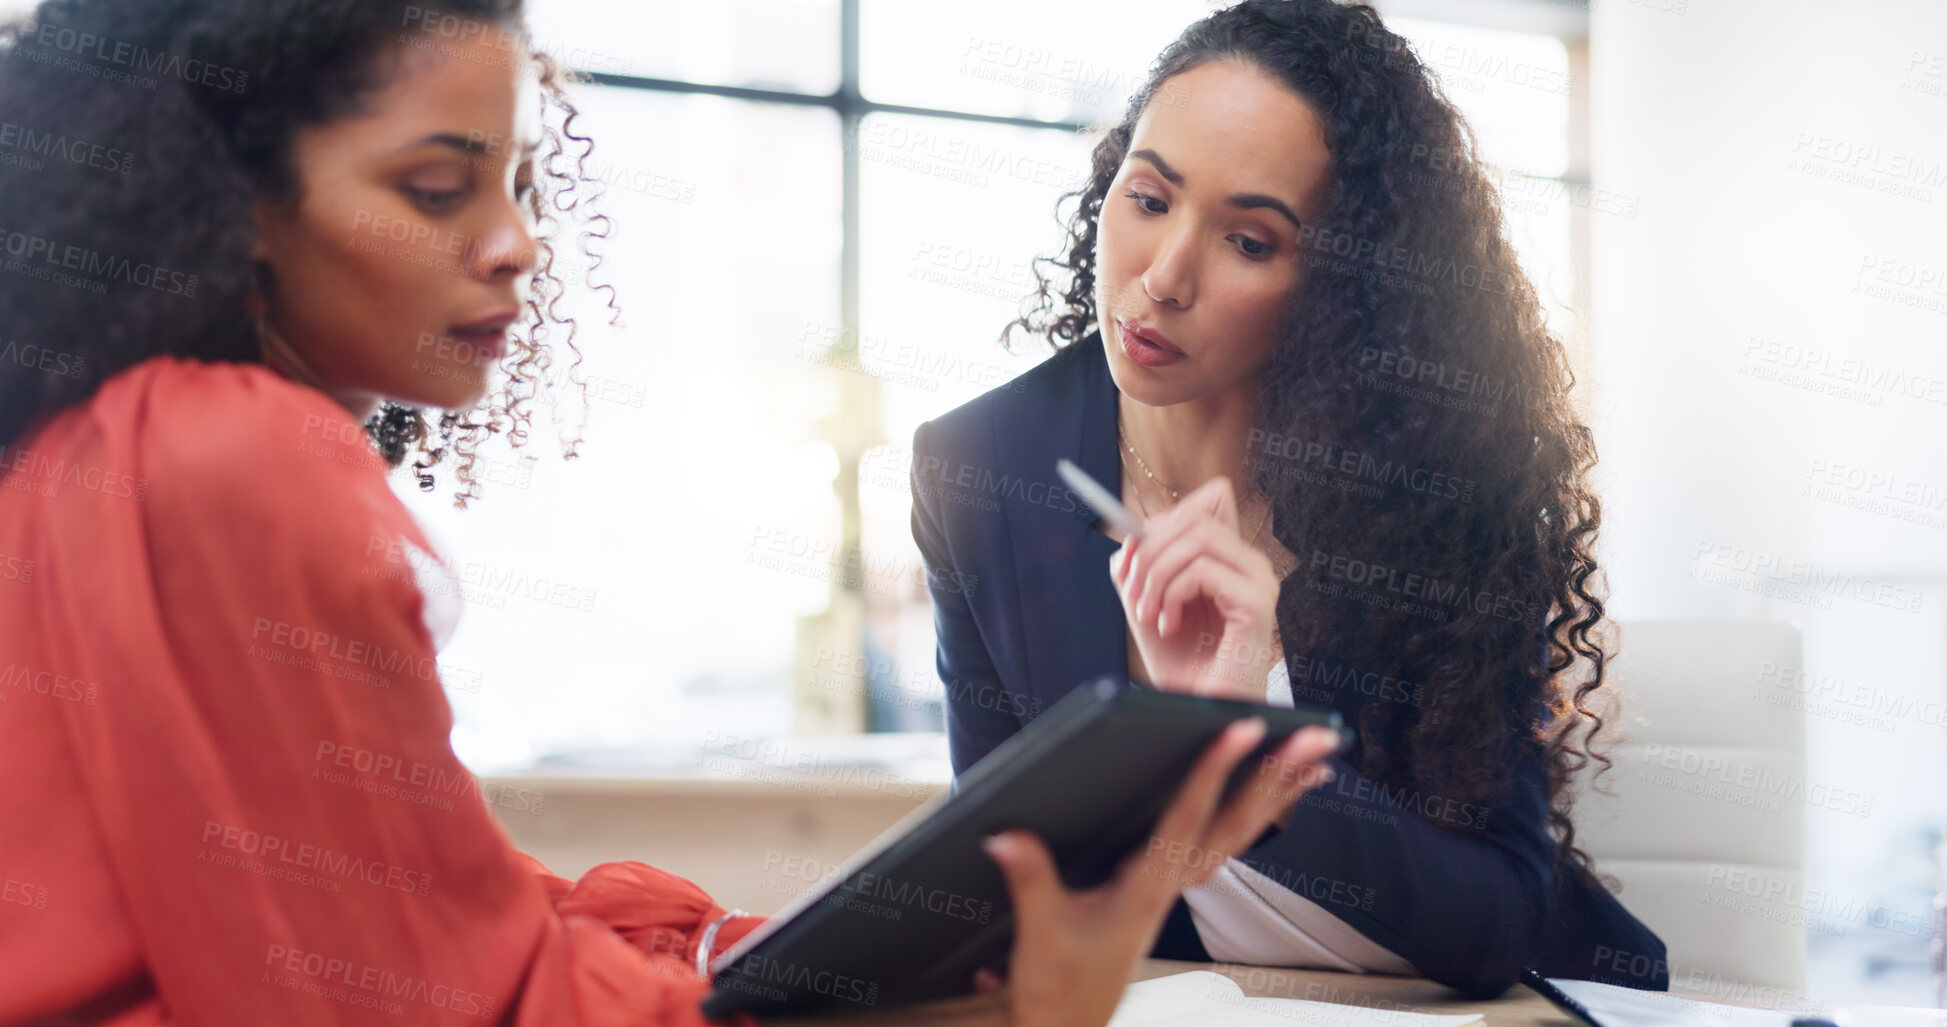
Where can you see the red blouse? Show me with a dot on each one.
(226, 790)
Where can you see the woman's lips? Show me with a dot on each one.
(484, 339)
(1143, 351)
(478, 345)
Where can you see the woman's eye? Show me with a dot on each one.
(1144, 201)
(1253, 248)
(435, 201)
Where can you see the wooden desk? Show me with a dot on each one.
(1408, 994)
(753, 843)
(1518, 1008)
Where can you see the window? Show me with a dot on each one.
(816, 247)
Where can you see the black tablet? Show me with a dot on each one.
(914, 914)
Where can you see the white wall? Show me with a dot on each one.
(1764, 143)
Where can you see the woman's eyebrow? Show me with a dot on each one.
(465, 144)
(469, 143)
(1247, 201)
(1170, 174)
(1242, 201)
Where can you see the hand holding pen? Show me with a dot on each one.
(1200, 601)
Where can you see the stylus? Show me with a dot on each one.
(1100, 499)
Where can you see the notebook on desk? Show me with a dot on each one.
(1606, 1005)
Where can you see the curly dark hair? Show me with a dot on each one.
(1417, 438)
(160, 122)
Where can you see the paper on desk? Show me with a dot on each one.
(1203, 997)
(1616, 1006)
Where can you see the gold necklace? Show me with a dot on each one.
(1174, 494)
(1277, 640)
(1151, 475)
(1140, 505)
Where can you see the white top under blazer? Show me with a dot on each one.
(1245, 917)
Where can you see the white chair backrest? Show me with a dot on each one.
(1705, 826)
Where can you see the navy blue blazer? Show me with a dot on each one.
(1025, 612)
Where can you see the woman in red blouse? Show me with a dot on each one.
(244, 241)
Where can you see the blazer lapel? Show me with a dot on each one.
(1071, 616)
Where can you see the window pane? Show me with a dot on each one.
(1512, 87)
(789, 45)
(1020, 58)
(1537, 213)
(953, 212)
(613, 600)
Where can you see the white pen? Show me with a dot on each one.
(1100, 499)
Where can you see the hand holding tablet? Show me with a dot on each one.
(1092, 853)
(1073, 948)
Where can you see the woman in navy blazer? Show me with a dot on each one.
(1314, 321)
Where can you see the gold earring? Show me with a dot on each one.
(277, 353)
(273, 349)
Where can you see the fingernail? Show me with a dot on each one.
(999, 846)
